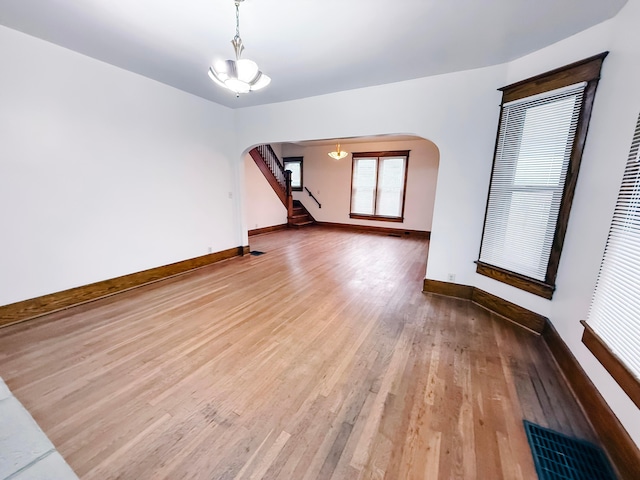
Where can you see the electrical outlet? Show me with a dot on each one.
(317, 192)
(230, 194)
(452, 277)
(210, 249)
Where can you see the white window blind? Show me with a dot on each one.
(535, 143)
(615, 309)
(391, 188)
(365, 175)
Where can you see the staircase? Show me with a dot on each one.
(280, 180)
(300, 216)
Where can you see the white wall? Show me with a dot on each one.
(330, 182)
(104, 172)
(459, 113)
(616, 108)
(262, 207)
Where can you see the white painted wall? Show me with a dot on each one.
(459, 113)
(615, 112)
(330, 182)
(262, 207)
(103, 172)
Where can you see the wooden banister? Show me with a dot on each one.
(273, 170)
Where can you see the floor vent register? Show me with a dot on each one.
(560, 457)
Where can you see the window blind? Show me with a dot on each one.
(363, 189)
(615, 309)
(391, 187)
(533, 151)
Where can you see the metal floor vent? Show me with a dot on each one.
(559, 457)
(255, 253)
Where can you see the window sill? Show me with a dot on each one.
(376, 217)
(296, 189)
(610, 361)
(516, 280)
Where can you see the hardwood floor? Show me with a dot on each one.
(319, 359)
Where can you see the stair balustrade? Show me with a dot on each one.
(273, 170)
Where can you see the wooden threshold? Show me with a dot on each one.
(35, 307)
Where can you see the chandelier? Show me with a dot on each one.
(338, 154)
(240, 75)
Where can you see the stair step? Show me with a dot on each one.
(300, 216)
(301, 224)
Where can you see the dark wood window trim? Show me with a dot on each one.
(587, 70)
(378, 155)
(610, 361)
(517, 280)
(297, 160)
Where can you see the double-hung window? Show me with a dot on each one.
(378, 184)
(612, 330)
(294, 165)
(542, 130)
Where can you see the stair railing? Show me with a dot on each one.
(311, 195)
(264, 156)
(273, 162)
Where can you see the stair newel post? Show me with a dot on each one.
(289, 193)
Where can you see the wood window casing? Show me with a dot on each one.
(587, 70)
(612, 363)
(378, 156)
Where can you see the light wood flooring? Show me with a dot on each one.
(320, 359)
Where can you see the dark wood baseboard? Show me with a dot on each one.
(620, 447)
(447, 288)
(517, 314)
(35, 307)
(512, 312)
(616, 441)
(381, 230)
(272, 228)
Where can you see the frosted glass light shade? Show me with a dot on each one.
(239, 76)
(338, 154)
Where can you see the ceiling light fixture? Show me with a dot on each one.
(240, 75)
(338, 154)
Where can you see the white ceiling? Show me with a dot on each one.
(308, 47)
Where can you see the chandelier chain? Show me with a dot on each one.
(237, 19)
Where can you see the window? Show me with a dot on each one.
(378, 184)
(294, 165)
(542, 130)
(612, 330)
